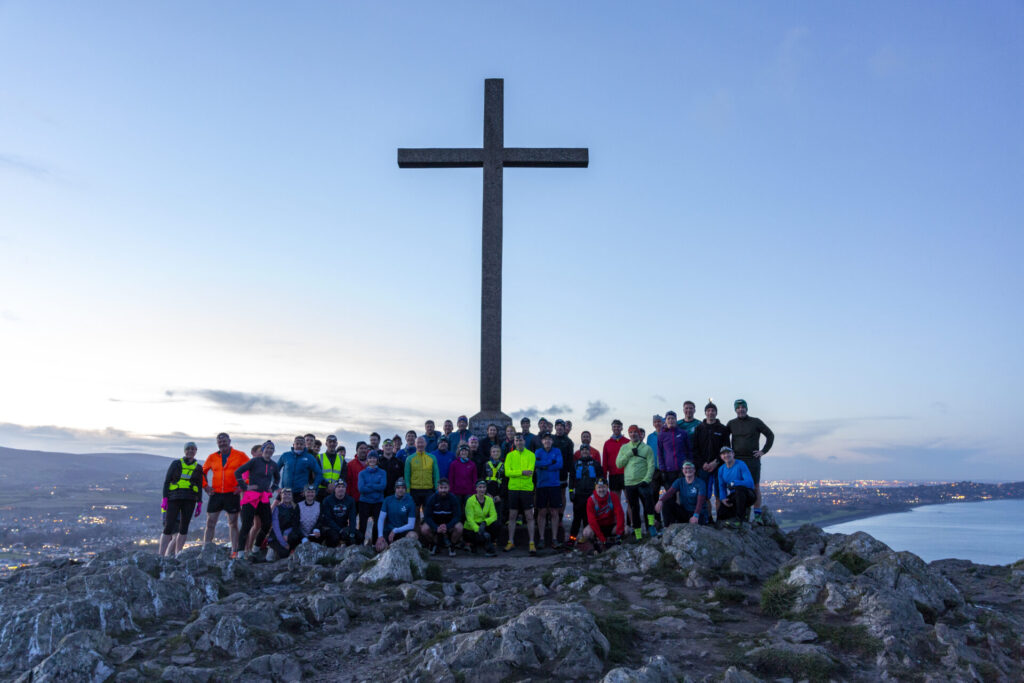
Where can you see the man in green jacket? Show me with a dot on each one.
(637, 462)
(519, 466)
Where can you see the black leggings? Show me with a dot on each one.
(179, 514)
(477, 537)
(741, 498)
(579, 513)
(367, 510)
(249, 513)
(634, 496)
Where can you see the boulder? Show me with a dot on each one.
(79, 656)
(752, 552)
(634, 559)
(655, 670)
(792, 631)
(543, 638)
(186, 674)
(400, 563)
(274, 667)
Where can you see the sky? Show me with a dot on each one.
(812, 206)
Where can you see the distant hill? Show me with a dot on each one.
(27, 469)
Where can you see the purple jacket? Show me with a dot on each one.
(673, 449)
(462, 477)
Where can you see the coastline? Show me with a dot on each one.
(852, 516)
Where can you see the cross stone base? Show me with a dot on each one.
(478, 423)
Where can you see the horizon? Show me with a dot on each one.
(814, 208)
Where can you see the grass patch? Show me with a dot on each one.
(328, 560)
(852, 639)
(777, 596)
(729, 596)
(666, 568)
(795, 665)
(547, 578)
(595, 577)
(855, 563)
(434, 572)
(442, 635)
(620, 634)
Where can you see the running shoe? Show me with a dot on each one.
(490, 552)
(433, 549)
(234, 554)
(451, 551)
(509, 546)
(533, 550)
(733, 524)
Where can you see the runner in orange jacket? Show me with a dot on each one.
(223, 488)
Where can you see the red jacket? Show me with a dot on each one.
(603, 512)
(610, 452)
(354, 467)
(223, 475)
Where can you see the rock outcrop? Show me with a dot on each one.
(698, 604)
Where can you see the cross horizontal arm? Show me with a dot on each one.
(546, 157)
(465, 157)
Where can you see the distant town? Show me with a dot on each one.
(72, 522)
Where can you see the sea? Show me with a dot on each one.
(985, 532)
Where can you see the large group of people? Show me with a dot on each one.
(454, 491)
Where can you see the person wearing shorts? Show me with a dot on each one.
(182, 500)
(548, 463)
(224, 491)
(519, 466)
(421, 473)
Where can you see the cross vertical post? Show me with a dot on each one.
(493, 157)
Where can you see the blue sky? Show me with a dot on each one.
(814, 206)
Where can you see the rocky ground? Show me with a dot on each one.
(698, 604)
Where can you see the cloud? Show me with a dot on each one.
(596, 409)
(10, 316)
(533, 412)
(22, 165)
(245, 403)
(659, 398)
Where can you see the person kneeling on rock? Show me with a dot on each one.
(442, 520)
(737, 487)
(684, 500)
(397, 517)
(482, 526)
(309, 517)
(604, 517)
(285, 534)
(338, 516)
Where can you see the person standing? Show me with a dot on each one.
(354, 467)
(493, 438)
(708, 439)
(497, 483)
(564, 445)
(224, 492)
(373, 481)
(421, 473)
(548, 463)
(610, 453)
(463, 475)
(583, 478)
(444, 456)
(264, 479)
(462, 435)
(430, 435)
(746, 433)
(392, 466)
(299, 468)
(529, 440)
(658, 423)
(519, 466)
(673, 450)
(332, 468)
(410, 446)
(182, 500)
(637, 462)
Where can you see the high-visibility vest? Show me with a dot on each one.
(185, 482)
(494, 473)
(332, 473)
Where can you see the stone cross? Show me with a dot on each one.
(492, 157)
